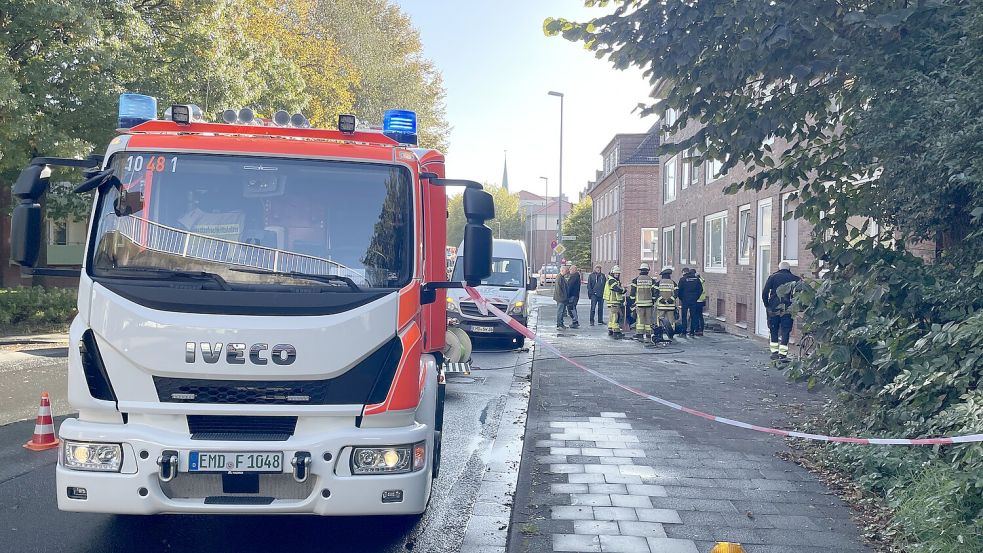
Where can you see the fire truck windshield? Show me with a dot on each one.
(221, 214)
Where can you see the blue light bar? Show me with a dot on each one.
(135, 109)
(399, 120)
(400, 125)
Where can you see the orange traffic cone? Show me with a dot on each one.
(44, 428)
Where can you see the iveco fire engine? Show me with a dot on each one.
(261, 314)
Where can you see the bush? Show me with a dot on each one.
(32, 309)
(902, 342)
(929, 509)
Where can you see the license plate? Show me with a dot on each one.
(482, 329)
(225, 461)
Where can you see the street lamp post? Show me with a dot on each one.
(546, 242)
(559, 204)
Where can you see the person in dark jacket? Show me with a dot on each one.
(560, 297)
(595, 292)
(777, 298)
(574, 279)
(690, 290)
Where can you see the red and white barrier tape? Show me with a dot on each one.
(487, 307)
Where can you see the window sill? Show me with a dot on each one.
(792, 262)
(742, 326)
(718, 270)
(721, 319)
(743, 261)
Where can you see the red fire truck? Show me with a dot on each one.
(261, 314)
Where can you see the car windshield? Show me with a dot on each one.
(254, 220)
(506, 271)
(552, 269)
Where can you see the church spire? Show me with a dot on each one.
(505, 171)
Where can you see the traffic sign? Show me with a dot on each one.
(553, 245)
(559, 249)
(568, 238)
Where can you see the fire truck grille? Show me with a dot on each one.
(231, 427)
(471, 310)
(198, 486)
(243, 392)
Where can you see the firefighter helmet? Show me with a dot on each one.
(615, 270)
(643, 267)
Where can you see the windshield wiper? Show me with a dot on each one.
(327, 279)
(168, 274)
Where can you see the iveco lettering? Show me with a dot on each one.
(294, 267)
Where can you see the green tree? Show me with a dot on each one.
(878, 121)
(509, 222)
(579, 223)
(388, 62)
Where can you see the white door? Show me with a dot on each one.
(763, 265)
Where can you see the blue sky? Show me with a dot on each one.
(498, 67)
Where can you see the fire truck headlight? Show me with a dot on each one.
(347, 123)
(451, 305)
(180, 114)
(517, 307)
(93, 456)
(384, 460)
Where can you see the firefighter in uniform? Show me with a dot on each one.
(614, 296)
(641, 294)
(665, 305)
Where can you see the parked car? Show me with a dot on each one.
(548, 274)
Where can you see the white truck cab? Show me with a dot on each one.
(507, 288)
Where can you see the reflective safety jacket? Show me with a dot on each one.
(667, 289)
(703, 296)
(614, 293)
(641, 290)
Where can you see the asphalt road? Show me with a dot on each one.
(30, 520)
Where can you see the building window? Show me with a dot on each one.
(669, 180)
(744, 235)
(790, 231)
(692, 243)
(668, 245)
(684, 243)
(741, 315)
(58, 233)
(721, 309)
(686, 176)
(615, 245)
(715, 243)
(650, 244)
(713, 170)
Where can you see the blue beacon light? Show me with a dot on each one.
(135, 109)
(400, 125)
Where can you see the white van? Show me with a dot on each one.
(506, 288)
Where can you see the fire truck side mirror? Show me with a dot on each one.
(25, 234)
(25, 222)
(479, 206)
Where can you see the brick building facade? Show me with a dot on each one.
(670, 211)
(625, 199)
(734, 240)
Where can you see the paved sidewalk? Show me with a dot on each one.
(605, 470)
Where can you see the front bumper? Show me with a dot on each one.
(137, 489)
